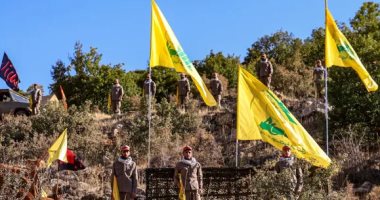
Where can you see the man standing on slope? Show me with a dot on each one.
(36, 96)
(117, 93)
(125, 171)
(292, 173)
(188, 175)
(264, 70)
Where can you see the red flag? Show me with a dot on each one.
(73, 162)
(63, 97)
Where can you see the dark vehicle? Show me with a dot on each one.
(13, 103)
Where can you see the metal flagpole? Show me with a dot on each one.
(149, 115)
(326, 98)
(326, 114)
(237, 152)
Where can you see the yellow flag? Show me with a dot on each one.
(43, 193)
(339, 52)
(262, 116)
(166, 51)
(58, 150)
(109, 103)
(115, 190)
(181, 194)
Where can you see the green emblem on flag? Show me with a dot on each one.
(345, 50)
(283, 108)
(269, 126)
(173, 53)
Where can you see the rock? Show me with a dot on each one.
(365, 188)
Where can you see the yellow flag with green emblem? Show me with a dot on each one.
(166, 51)
(262, 116)
(181, 193)
(339, 52)
(115, 189)
(58, 150)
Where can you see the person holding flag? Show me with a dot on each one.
(188, 176)
(288, 163)
(124, 176)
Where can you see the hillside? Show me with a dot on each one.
(95, 137)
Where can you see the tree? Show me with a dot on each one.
(90, 80)
(224, 65)
(291, 76)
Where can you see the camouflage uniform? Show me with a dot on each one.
(36, 96)
(265, 71)
(191, 177)
(216, 89)
(319, 74)
(116, 97)
(125, 171)
(293, 176)
(152, 84)
(183, 90)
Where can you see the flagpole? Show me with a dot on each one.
(236, 121)
(149, 115)
(326, 114)
(326, 97)
(237, 152)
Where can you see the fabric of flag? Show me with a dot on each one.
(73, 162)
(58, 150)
(166, 51)
(109, 103)
(63, 98)
(115, 190)
(339, 52)
(8, 73)
(262, 116)
(181, 193)
(43, 193)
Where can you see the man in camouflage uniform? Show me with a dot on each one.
(319, 75)
(149, 86)
(292, 173)
(117, 93)
(125, 171)
(183, 91)
(216, 88)
(190, 172)
(264, 70)
(36, 97)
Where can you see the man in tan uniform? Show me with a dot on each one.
(319, 76)
(264, 70)
(190, 172)
(149, 87)
(117, 94)
(125, 171)
(216, 88)
(36, 96)
(183, 91)
(294, 179)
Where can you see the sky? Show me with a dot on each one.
(36, 34)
